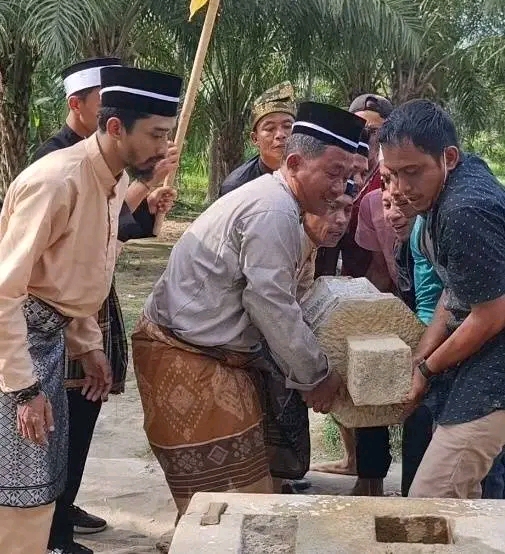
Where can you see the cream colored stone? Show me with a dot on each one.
(337, 308)
(379, 370)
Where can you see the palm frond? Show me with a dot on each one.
(57, 26)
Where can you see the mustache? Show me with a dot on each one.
(155, 160)
(147, 173)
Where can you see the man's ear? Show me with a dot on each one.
(254, 138)
(73, 104)
(114, 128)
(294, 162)
(451, 157)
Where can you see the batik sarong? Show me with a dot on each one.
(203, 415)
(33, 475)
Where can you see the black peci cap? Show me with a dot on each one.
(329, 124)
(85, 74)
(141, 90)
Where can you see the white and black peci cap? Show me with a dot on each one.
(329, 124)
(85, 74)
(140, 90)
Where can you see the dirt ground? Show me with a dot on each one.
(123, 481)
(172, 229)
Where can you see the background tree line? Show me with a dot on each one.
(452, 52)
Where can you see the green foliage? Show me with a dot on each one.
(332, 50)
(331, 439)
(333, 444)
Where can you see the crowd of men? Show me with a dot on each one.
(226, 366)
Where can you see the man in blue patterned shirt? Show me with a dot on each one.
(460, 360)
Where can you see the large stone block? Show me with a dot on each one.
(337, 308)
(379, 370)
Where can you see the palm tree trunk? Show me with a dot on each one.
(17, 70)
(227, 153)
(214, 171)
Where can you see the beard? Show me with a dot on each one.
(143, 174)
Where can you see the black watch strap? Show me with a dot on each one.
(424, 369)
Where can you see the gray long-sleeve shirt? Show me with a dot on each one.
(231, 279)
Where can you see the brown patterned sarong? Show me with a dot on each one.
(203, 417)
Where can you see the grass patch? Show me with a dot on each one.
(333, 444)
(331, 439)
(193, 190)
(138, 268)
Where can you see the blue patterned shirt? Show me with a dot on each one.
(467, 230)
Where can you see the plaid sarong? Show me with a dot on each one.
(115, 345)
(33, 475)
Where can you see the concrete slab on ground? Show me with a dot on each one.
(297, 524)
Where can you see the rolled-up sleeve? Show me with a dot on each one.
(269, 296)
(33, 217)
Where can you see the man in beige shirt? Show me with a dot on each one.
(58, 235)
(136, 220)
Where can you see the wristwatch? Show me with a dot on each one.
(425, 370)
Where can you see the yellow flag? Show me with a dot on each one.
(195, 6)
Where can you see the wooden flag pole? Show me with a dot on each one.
(191, 93)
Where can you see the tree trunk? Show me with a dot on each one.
(17, 70)
(226, 154)
(214, 165)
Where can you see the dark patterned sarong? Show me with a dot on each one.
(33, 475)
(115, 346)
(286, 422)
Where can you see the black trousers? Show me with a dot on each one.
(373, 457)
(83, 415)
(416, 437)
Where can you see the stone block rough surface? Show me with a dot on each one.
(379, 370)
(337, 308)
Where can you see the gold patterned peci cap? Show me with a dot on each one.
(278, 99)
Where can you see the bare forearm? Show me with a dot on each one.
(135, 195)
(477, 329)
(436, 333)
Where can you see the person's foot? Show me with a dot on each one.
(84, 523)
(287, 488)
(301, 485)
(368, 487)
(340, 467)
(74, 548)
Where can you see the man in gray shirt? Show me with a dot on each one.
(229, 283)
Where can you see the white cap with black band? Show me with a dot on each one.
(86, 74)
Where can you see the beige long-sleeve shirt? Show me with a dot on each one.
(58, 234)
(232, 278)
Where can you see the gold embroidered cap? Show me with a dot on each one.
(278, 99)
